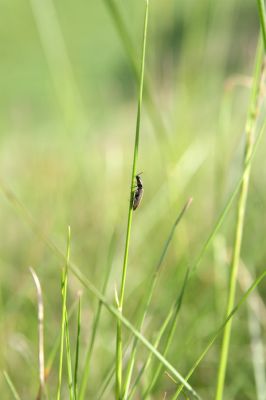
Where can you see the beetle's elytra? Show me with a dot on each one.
(138, 194)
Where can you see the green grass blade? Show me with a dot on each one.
(64, 314)
(86, 369)
(77, 349)
(11, 386)
(119, 355)
(148, 296)
(69, 362)
(241, 208)
(221, 329)
(52, 355)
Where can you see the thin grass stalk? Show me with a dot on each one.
(69, 362)
(148, 296)
(119, 355)
(63, 322)
(40, 332)
(77, 350)
(241, 208)
(86, 369)
(242, 300)
(11, 386)
(172, 315)
(52, 355)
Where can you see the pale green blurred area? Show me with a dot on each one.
(68, 100)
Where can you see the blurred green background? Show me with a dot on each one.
(68, 96)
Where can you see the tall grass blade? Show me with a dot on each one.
(119, 355)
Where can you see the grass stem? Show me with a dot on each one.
(241, 208)
(119, 355)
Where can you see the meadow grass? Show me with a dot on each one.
(135, 341)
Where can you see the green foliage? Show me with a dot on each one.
(70, 77)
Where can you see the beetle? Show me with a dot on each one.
(138, 193)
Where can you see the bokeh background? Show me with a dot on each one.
(68, 100)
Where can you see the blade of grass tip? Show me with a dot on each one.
(40, 332)
(172, 315)
(77, 348)
(63, 322)
(241, 208)
(119, 355)
(86, 369)
(262, 14)
(11, 386)
(220, 330)
(148, 297)
(170, 336)
(25, 214)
